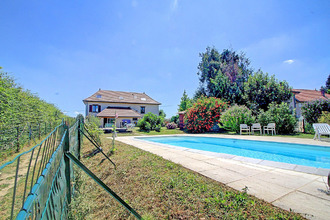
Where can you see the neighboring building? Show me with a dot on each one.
(128, 106)
(301, 96)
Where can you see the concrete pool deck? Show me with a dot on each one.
(299, 188)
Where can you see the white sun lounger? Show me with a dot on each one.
(321, 129)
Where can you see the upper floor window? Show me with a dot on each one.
(94, 108)
(143, 109)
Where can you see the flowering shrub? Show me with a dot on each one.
(171, 125)
(312, 110)
(236, 115)
(281, 115)
(204, 114)
(150, 121)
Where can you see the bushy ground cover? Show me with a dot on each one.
(159, 189)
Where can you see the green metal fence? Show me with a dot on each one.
(39, 180)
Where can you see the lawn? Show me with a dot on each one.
(159, 189)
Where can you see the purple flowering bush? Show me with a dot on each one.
(171, 125)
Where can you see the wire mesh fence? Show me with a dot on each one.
(14, 137)
(37, 183)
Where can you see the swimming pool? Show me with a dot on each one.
(300, 154)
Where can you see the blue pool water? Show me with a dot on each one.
(306, 155)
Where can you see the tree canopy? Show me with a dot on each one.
(327, 85)
(222, 75)
(261, 89)
(185, 102)
(228, 76)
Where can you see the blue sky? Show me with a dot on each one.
(66, 50)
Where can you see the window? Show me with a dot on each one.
(94, 108)
(143, 109)
(110, 120)
(134, 119)
(99, 96)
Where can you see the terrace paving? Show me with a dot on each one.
(299, 188)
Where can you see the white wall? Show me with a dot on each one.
(137, 107)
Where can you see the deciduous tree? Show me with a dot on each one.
(185, 102)
(223, 75)
(261, 89)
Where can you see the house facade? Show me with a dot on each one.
(301, 96)
(125, 107)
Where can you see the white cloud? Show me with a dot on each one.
(288, 61)
(174, 5)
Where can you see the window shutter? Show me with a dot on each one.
(99, 108)
(90, 108)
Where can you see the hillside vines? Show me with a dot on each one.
(21, 113)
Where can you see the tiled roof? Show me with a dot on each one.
(121, 97)
(306, 95)
(128, 113)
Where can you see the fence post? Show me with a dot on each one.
(39, 131)
(79, 137)
(66, 148)
(30, 132)
(17, 139)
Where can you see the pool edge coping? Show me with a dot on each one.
(249, 160)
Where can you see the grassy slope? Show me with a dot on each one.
(160, 189)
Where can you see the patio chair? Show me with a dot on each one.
(270, 127)
(321, 129)
(244, 127)
(256, 127)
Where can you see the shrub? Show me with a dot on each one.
(171, 125)
(281, 115)
(236, 115)
(175, 119)
(93, 123)
(150, 122)
(204, 113)
(309, 128)
(313, 110)
(324, 118)
(158, 128)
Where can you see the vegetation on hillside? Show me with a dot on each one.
(22, 111)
